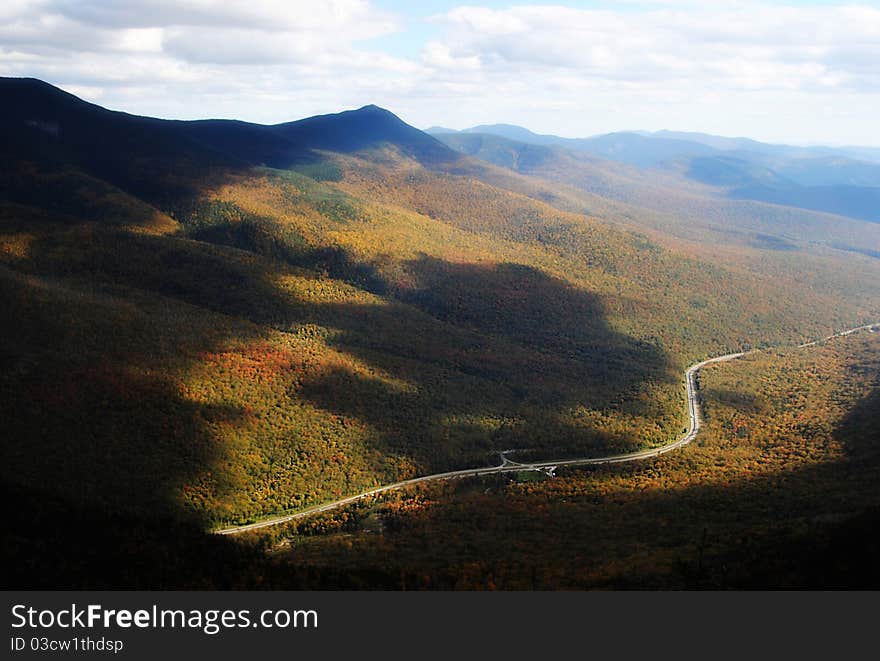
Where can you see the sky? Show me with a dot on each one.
(794, 71)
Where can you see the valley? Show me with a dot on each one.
(211, 324)
(777, 492)
(549, 466)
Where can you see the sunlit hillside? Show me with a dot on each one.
(211, 322)
(779, 493)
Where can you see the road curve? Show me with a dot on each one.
(508, 466)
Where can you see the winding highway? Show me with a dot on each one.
(509, 466)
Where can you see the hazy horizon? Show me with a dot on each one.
(471, 126)
(653, 132)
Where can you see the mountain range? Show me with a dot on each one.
(209, 322)
(844, 181)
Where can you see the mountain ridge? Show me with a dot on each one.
(204, 323)
(229, 140)
(818, 179)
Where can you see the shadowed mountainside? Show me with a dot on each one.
(778, 493)
(208, 322)
(166, 160)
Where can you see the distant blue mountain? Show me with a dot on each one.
(844, 181)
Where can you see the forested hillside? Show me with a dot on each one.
(842, 181)
(778, 492)
(211, 322)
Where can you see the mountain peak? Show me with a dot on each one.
(366, 127)
(25, 96)
(33, 103)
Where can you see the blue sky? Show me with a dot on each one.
(799, 71)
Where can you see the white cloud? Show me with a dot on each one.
(439, 55)
(156, 50)
(358, 17)
(140, 40)
(759, 47)
(731, 67)
(268, 28)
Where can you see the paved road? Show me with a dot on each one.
(866, 327)
(509, 466)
